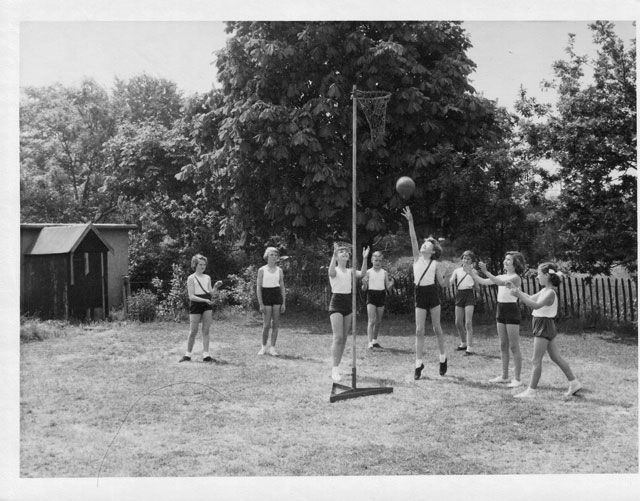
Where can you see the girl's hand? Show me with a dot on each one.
(514, 290)
(509, 285)
(482, 266)
(283, 308)
(217, 285)
(365, 252)
(406, 212)
(262, 308)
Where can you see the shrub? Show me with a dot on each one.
(141, 306)
(176, 304)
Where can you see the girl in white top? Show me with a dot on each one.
(545, 309)
(507, 314)
(340, 312)
(376, 282)
(271, 298)
(427, 271)
(465, 301)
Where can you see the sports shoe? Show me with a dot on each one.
(574, 387)
(377, 346)
(370, 347)
(514, 383)
(499, 379)
(443, 367)
(418, 371)
(462, 347)
(469, 353)
(185, 359)
(208, 359)
(335, 374)
(273, 352)
(528, 393)
(263, 350)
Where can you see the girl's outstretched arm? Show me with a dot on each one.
(412, 233)
(538, 300)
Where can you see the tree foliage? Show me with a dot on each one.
(591, 134)
(280, 160)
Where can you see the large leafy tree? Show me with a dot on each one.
(591, 134)
(280, 161)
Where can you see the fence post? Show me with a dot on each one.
(631, 311)
(615, 290)
(573, 313)
(610, 297)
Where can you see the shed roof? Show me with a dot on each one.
(63, 239)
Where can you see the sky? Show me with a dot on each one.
(508, 54)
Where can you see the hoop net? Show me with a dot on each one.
(374, 106)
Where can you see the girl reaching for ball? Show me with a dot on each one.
(507, 314)
(545, 309)
(340, 312)
(427, 272)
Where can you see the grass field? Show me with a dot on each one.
(110, 400)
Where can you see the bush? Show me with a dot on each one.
(141, 306)
(176, 304)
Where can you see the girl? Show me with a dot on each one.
(427, 271)
(376, 282)
(507, 314)
(465, 301)
(545, 308)
(340, 312)
(271, 297)
(200, 309)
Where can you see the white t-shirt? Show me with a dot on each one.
(547, 311)
(376, 279)
(504, 296)
(429, 277)
(270, 278)
(463, 282)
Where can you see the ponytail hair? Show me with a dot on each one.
(551, 269)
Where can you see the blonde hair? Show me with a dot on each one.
(268, 251)
(196, 259)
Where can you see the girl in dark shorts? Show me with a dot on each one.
(545, 309)
(376, 282)
(340, 278)
(200, 309)
(271, 298)
(507, 314)
(428, 274)
(465, 301)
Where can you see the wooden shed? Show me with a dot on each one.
(65, 271)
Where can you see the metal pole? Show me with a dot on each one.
(354, 281)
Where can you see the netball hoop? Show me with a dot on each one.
(374, 106)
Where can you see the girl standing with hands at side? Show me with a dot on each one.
(271, 298)
(340, 278)
(200, 306)
(545, 309)
(427, 271)
(465, 301)
(376, 282)
(507, 314)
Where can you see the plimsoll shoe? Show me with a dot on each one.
(499, 379)
(185, 359)
(461, 347)
(263, 350)
(273, 352)
(515, 383)
(418, 371)
(528, 393)
(377, 346)
(574, 387)
(208, 359)
(335, 374)
(443, 367)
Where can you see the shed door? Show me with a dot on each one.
(88, 290)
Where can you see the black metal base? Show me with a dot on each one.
(342, 392)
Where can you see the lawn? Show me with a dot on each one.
(110, 400)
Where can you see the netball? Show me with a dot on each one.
(405, 187)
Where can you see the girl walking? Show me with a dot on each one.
(545, 309)
(507, 314)
(427, 272)
(465, 301)
(271, 298)
(340, 278)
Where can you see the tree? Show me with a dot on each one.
(280, 161)
(592, 136)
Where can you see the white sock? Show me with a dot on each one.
(188, 354)
(443, 358)
(205, 354)
(418, 363)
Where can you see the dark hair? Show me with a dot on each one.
(554, 278)
(471, 255)
(437, 248)
(518, 261)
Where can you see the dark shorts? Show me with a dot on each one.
(198, 308)
(508, 313)
(271, 296)
(544, 327)
(426, 296)
(465, 297)
(376, 298)
(340, 303)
